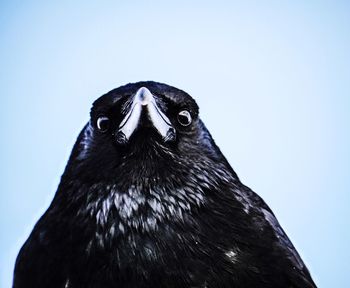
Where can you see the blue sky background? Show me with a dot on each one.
(272, 79)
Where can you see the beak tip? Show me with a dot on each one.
(144, 96)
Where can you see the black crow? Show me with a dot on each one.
(148, 200)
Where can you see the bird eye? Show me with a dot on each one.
(102, 123)
(184, 118)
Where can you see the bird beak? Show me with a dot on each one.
(144, 100)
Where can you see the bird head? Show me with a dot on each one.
(145, 129)
(144, 112)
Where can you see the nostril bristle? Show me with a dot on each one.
(170, 135)
(121, 138)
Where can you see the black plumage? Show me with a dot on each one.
(148, 200)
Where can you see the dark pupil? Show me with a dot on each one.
(103, 124)
(183, 119)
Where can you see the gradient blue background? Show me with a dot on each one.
(272, 79)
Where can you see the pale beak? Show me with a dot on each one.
(144, 100)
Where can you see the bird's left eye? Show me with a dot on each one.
(184, 118)
(102, 123)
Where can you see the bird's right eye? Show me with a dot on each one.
(102, 123)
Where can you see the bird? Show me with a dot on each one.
(147, 199)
